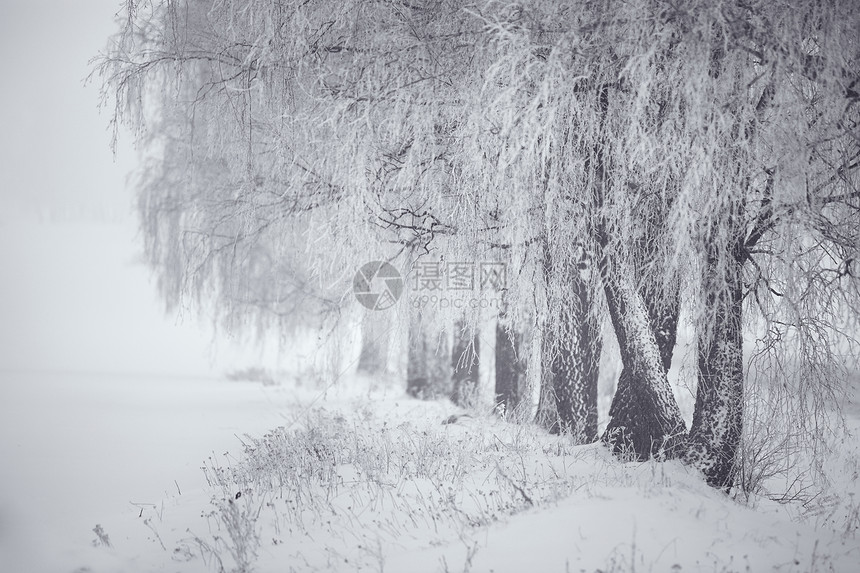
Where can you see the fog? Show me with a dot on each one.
(75, 295)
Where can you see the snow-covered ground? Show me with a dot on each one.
(84, 449)
(126, 453)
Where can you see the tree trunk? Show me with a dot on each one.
(428, 373)
(718, 418)
(417, 368)
(570, 356)
(375, 336)
(511, 368)
(644, 418)
(465, 364)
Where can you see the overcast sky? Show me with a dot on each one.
(74, 296)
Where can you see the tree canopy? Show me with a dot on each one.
(702, 155)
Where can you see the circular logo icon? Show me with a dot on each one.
(377, 285)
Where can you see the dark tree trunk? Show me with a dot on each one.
(428, 373)
(644, 418)
(511, 365)
(375, 335)
(718, 418)
(715, 434)
(417, 368)
(465, 364)
(570, 356)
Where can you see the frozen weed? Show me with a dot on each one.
(358, 479)
(102, 538)
(233, 521)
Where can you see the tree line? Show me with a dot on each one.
(633, 163)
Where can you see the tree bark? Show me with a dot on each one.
(428, 374)
(718, 418)
(570, 357)
(645, 419)
(375, 336)
(465, 364)
(511, 367)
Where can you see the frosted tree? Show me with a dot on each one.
(703, 156)
(242, 109)
(230, 251)
(686, 137)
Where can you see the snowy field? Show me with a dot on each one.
(82, 449)
(358, 478)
